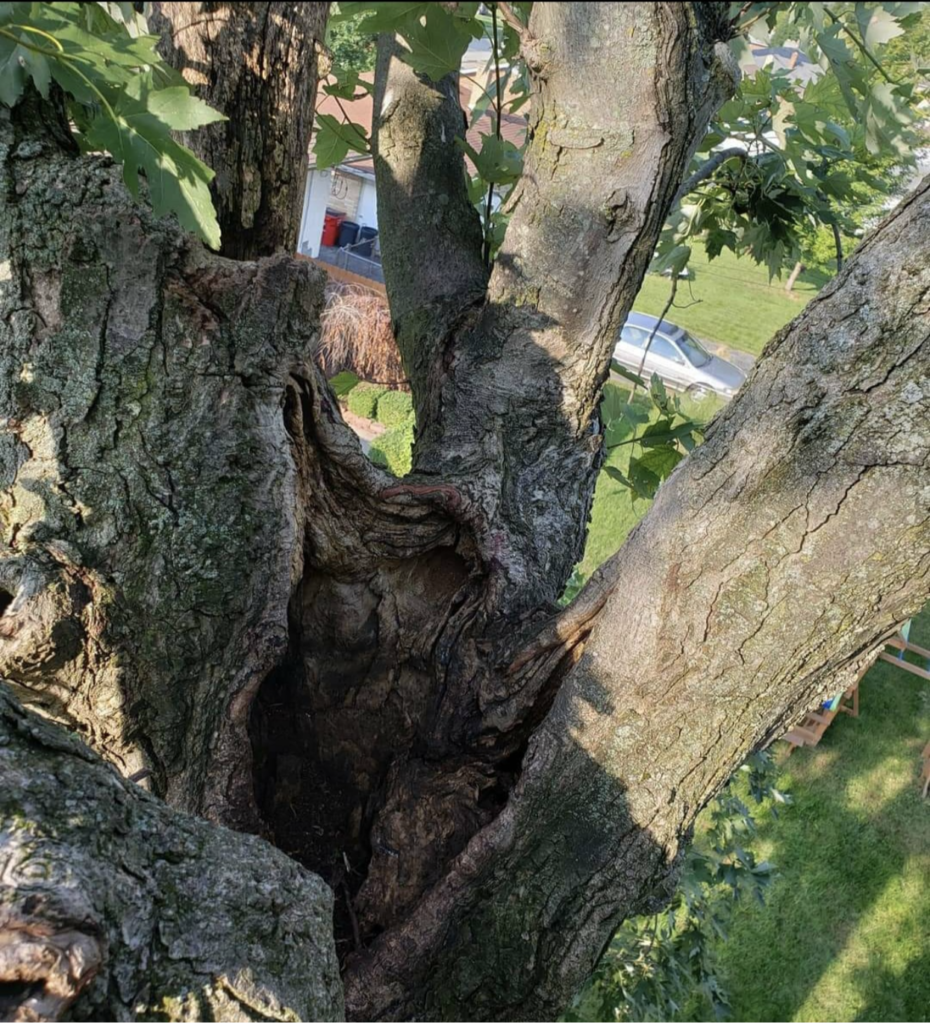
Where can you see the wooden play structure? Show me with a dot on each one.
(809, 730)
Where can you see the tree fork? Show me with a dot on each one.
(749, 591)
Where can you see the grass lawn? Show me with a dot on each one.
(845, 932)
(735, 303)
(614, 513)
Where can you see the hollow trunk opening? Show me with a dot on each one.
(342, 774)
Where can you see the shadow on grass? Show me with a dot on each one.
(844, 933)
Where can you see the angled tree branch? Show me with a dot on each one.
(751, 590)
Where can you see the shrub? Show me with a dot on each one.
(392, 449)
(395, 408)
(362, 400)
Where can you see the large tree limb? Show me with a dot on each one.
(624, 96)
(114, 907)
(772, 563)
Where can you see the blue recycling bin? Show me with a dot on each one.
(348, 233)
(366, 239)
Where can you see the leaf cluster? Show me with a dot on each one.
(122, 97)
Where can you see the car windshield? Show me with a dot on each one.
(696, 353)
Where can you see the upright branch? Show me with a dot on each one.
(617, 109)
(430, 231)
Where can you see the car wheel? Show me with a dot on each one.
(698, 392)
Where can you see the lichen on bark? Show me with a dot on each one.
(148, 507)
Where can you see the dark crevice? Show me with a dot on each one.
(309, 803)
(14, 995)
(6, 599)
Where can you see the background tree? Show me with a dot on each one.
(208, 580)
(351, 48)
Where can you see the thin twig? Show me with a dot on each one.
(861, 44)
(707, 169)
(668, 306)
(510, 16)
(838, 242)
(499, 110)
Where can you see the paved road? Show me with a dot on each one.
(734, 355)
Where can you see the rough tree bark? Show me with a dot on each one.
(149, 506)
(210, 582)
(257, 64)
(113, 907)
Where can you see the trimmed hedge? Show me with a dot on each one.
(362, 400)
(394, 408)
(393, 448)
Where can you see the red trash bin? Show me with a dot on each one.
(331, 224)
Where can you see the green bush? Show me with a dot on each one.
(392, 449)
(362, 400)
(395, 408)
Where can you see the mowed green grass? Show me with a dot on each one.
(729, 300)
(614, 512)
(845, 931)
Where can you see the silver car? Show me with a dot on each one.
(681, 361)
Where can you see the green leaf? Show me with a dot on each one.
(63, 21)
(643, 479)
(380, 17)
(660, 460)
(334, 139)
(436, 45)
(343, 383)
(345, 83)
(663, 433)
(658, 392)
(13, 73)
(498, 162)
(176, 107)
(138, 136)
(13, 12)
(877, 25)
(675, 260)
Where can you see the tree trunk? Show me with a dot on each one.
(113, 907)
(208, 579)
(256, 63)
(793, 277)
(150, 505)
